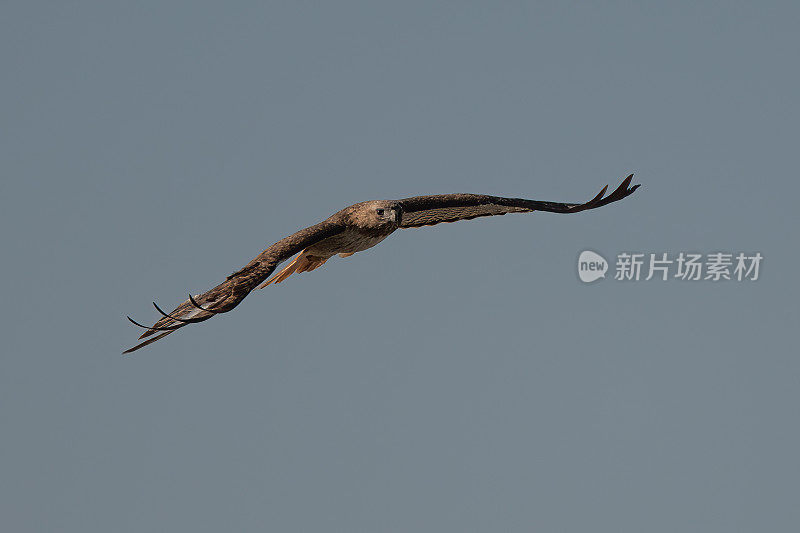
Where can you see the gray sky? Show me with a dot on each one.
(455, 378)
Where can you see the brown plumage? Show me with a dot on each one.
(353, 229)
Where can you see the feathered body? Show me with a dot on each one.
(363, 229)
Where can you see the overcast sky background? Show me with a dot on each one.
(455, 378)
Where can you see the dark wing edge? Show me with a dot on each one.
(236, 286)
(421, 211)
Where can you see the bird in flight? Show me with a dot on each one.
(351, 230)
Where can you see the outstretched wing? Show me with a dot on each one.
(428, 210)
(233, 290)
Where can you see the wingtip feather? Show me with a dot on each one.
(145, 343)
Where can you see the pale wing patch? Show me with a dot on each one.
(193, 312)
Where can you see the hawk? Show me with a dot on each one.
(353, 229)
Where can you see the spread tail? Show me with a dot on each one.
(302, 263)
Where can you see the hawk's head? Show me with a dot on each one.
(378, 214)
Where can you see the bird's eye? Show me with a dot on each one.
(379, 211)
